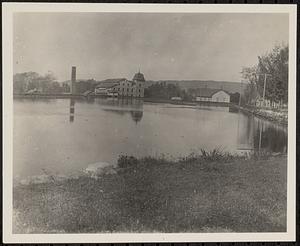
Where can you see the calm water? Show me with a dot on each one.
(47, 135)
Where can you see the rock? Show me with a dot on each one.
(100, 168)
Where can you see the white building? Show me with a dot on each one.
(176, 98)
(212, 95)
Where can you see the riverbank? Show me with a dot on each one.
(277, 116)
(48, 96)
(219, 194)
(190, 103)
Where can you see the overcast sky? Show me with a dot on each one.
(163, 46)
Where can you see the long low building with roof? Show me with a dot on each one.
(122, 87)
(212, 95)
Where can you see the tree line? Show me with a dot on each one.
(32, 81)
(162, 90)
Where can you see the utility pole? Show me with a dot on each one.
(265, 79)
(240, 95)
(265, 83)
(264, 92)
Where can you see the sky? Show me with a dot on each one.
(200, 46)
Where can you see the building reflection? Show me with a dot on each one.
(72, 110)
(123, 106)
(136, 116)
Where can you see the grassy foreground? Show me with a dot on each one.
(189, 195)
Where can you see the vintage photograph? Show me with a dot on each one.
(151, 122)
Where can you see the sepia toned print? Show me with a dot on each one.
(151, 123)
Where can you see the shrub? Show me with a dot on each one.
(210, 156)
(127, 161)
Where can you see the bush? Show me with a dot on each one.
(127, 161)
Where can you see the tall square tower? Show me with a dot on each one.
(73, 80)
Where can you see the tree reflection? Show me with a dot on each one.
(270, 138)
(260, 135)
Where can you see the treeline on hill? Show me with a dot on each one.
(273, 65)
(32, 81)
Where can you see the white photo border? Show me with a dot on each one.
(7, 94)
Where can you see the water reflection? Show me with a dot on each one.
(270, 137)
(136, 116)
(105, 128)
(255, 134)
(72, 110)
(123, 106)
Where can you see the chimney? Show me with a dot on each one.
(73, 80)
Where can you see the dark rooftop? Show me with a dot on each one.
(108, 83)
(117, 80)
(139, 77)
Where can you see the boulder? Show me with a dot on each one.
(100, 168)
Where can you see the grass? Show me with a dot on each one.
(205, 192)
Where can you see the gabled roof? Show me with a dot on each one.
(208, 92)
(86, 93)
(106, 85)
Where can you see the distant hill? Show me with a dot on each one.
(231, 87)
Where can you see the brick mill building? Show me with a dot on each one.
(122, 87)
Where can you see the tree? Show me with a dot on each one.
(250, 93)
(46, 81)
(273, 65)
(235, 97)
(23, 82)
(65, 87)
(163, 90)
(55, 88)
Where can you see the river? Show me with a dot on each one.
(64, 136)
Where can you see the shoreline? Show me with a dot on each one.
(260, 113)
